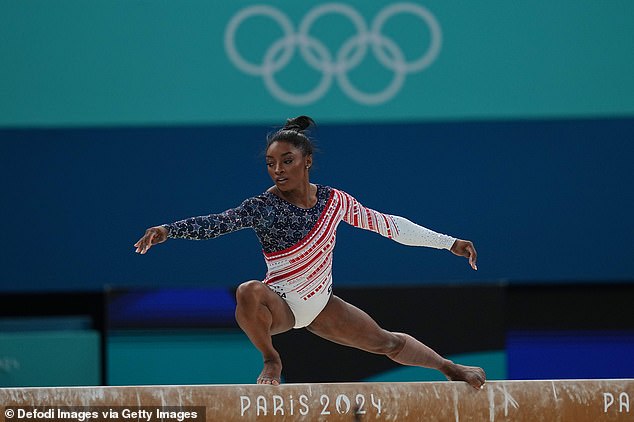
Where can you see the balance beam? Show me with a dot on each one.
(559, 400)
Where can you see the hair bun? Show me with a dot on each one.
(299, 123)
(294, 132)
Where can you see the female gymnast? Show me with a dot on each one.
(296, 222)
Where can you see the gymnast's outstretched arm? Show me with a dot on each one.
(404, 231)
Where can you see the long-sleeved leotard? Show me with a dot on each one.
(298, 243)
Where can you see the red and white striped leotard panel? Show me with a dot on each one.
(302, 274)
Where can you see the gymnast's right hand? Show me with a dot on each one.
(152, 236)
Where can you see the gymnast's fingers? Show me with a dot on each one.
(145, 242)
(473, 256)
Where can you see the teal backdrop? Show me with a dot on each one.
(50, 358)
(66, 63)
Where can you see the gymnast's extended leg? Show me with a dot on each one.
(348, 325)
(261, 313)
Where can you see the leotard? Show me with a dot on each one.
(298, 243)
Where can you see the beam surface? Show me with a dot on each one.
(557, 400)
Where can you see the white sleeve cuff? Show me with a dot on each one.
(412, 234)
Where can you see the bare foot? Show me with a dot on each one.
(472, 375)
(271, 373)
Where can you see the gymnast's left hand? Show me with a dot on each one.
(465, 248)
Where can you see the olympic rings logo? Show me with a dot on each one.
(349, 55)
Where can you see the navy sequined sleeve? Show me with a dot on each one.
(277, 223)
(213, 225)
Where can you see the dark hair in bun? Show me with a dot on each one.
(294, 132)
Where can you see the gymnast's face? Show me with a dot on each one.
(287, 166)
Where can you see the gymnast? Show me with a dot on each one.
(296, 222)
